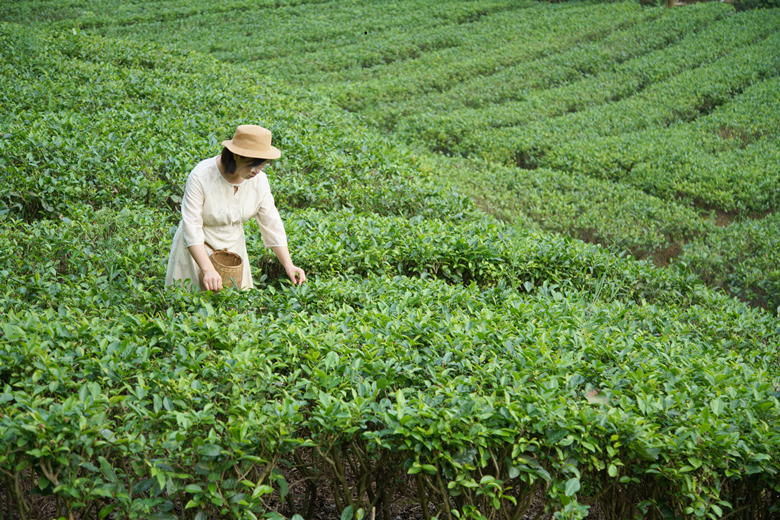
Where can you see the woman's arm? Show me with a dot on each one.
(192, 218)
(272, 231)
(212, 281)
(296, 275)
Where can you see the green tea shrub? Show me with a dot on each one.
(681, 99)
(136, 121)
(483, 397)
(445, 129)
(115, 260)
(584, 62)
(486, 49)
(727, 160)
(741, 258)
(757, 4)
(617, 216)
(92, 14)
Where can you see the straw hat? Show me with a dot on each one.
(252, 141)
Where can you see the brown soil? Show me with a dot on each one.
(664, 257)
(404, 507)
(728, 134)
(45, 507)
(724, 218)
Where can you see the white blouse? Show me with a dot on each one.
(214, 210)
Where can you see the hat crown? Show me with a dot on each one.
(252, 141)
(252, 137)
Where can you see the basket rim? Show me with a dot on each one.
(217, 260)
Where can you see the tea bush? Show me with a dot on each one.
(102, 257)
(490, 46)
(432, 45)
(726, 160)
(680, 99)
(494, 390)
(740, 257)
(481, 397)
(618, 216)
(485, 100)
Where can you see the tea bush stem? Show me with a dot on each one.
(525, 500)
(423, 496)
(445, 497)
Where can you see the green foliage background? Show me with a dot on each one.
(673, 110)
(440, 355)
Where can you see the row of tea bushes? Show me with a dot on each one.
(444, 129)
(617, 216)
(486, 100)
(464, 401)
(683, 98)
(741, 178)
(122, 255)
(726, 160)
(491, 45)
(112, 256)
(485, 253)
(98, 13)
(136, 120)
(742, 258)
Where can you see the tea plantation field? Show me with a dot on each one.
(441, 362)
(648, 131)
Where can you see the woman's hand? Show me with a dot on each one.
(212, 281)
(296, 275)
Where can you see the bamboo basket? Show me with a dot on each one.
(230, 267)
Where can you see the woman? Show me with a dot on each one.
(221, 194)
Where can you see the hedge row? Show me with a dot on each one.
(135, 121)
(489, 46)
(345, 24)
(683, 98)
(106, 254)
(617, 216)
(98, 13)
(484, 100)
(742, 258)
(727, 160)
(456, 398)
(445, 129)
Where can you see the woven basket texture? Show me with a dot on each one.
(230, 267)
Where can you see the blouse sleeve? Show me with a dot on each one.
(192, 211)
(268, 219)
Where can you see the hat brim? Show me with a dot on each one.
(271, 153)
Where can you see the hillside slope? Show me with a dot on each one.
(646, 130)
(438, 359)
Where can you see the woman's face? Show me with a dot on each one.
(248, 167)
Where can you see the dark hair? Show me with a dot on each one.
(230, 164)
